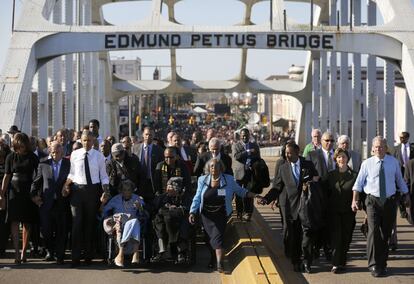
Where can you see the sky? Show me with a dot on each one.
(195, 64)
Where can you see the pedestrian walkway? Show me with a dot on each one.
(401, 262)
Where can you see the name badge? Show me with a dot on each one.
(221, 192)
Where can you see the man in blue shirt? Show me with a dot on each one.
(378, 178)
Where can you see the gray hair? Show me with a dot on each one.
(214, 141)
(379, 138)
(344, 138)
(215, 161)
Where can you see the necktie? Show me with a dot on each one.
(330, 163)
(405, 156)
(383, 192)
(87, 171)
(146, 155)
(296, 173)
(55, 171)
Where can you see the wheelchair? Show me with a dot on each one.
(112, 246)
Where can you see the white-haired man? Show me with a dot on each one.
(380, 178)
(344, 143)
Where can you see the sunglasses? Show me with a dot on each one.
(329, 140)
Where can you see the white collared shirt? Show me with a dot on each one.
(97, 167)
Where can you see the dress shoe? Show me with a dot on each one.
(307, 268)
(247, 217)
(75, 263)
(220, 268)
(60, 261)
(297, 267)
(88, 261)
(49, 257)
(375, 271)
(335, 270)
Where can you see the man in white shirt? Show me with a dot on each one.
(87, 174)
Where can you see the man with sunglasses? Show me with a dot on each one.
(324, 162)
(172, 166)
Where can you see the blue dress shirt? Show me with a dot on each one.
(368, 177)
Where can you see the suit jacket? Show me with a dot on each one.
(157, 155)
(398, 155)
(240, 156)
(46, 187)
(205, 157)
(131, 170)
(282, 196)
(354, 160)
(285, 184)
(317, 158)
(409, 177)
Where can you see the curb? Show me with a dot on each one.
(247, 259)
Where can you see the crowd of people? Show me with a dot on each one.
(320, 192)
(76, 189)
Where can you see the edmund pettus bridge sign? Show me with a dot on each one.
(220, 40)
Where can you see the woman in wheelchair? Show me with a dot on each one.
(122, 216)
(170, 222)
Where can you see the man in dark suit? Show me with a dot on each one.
(245, 153)
(323, 158)
(403, 152)
(288, 188)
(215, 151)
(62, 138)
(149, 156)
(172, 166)
(324, 162)
(183, 151)
(409, 178)
(54, 208)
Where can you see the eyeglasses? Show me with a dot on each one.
(329, 140)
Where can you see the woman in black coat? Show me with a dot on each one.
(338, 185)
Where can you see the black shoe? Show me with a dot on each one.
(297, 267)
(375, 272)
(335, 270)
(49, 257)
(181, 259)
(75, 263)
(404, 214)
(159, 257)
(60, 261)
(307, 268)
(220, 268)
(88, 261)
(247, 217)
(393, 247)
(210, 264)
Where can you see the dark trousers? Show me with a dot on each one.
(83, 205)
(244, 205)
(4, 231)
(381, 218)
(53, 226)
(294, 240)
(342, 226)
(308, 241)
